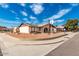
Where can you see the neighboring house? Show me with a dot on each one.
(3, 28)
(28, 28)
(60, 28)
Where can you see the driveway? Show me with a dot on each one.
(11, 46)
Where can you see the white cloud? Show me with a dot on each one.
(37, 8)
(13, 11)
(28, 22)
(23, 4)
(4, 5)
(10, 22)
(75, 4)
(23, 13)
(59, 20)
(34, 18)
(25, 19)
(17, 18)
(56, 21)
(58, 15)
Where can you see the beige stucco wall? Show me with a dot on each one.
(14, 30)
(24, 29)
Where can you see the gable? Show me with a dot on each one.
(47, 25)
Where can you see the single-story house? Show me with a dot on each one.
(28, 28)
(3, 28)
(60, 28)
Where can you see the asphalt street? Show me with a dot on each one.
(69, 48)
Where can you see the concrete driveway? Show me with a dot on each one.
(11, 46)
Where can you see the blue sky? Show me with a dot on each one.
(13, 14)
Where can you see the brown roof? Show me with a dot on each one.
(22, 24)
(40, 25)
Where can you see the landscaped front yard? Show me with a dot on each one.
(41, 36)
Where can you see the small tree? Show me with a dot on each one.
(72, 25)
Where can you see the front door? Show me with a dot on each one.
(46, 30)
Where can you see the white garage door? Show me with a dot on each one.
(24, 29)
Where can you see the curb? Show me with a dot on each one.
(42, 43)
(43, 39)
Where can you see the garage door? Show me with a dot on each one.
(24, 29)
